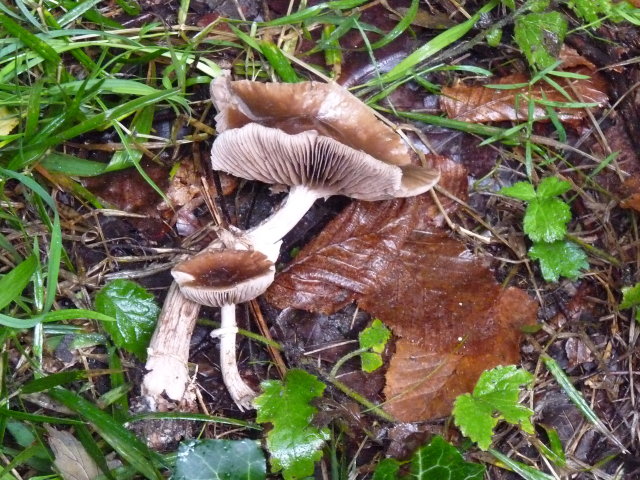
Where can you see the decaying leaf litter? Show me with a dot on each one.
(457, 258)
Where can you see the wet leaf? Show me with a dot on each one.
(509, 97)
(220, 459)
(71, 459)
(294, 443)
(375, 337)
(439, 459)
(559, 259)
(387, 469)
(352, 253)
(494, 398)
(540, 36)
(546, 217)
(135, 311)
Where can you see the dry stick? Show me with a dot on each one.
(264, 331)
(168, 350)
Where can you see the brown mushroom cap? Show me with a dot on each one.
(317, 162)
(222, 277)
(293, 108)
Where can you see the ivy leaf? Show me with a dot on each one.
(135, 311)
(436, 460)
(520, 190)
(439, 459)
(293, 442)
(220, 459)
(375, 337)
(561, 258)
(387, 469)
(540, 36)
(494, 398)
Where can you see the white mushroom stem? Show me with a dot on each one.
(240, 392)
(168, 350)
(272, 230)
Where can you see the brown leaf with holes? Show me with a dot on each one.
(355, 250)
(480, 104)
(454, 320)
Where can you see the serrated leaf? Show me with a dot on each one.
(561, 258)
(494, 398)
(591, 10)
(294, 443)
(71, 459)
(520, 190)
(135, 311)
(375, 337)
(540, 36)
(370, 361)
(439, 459)
(220, 460)
(545, 219)
(552, 187)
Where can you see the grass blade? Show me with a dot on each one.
(29, 39)
(578, 400)
(525, 471)
(121, 440)
(402, 25)
(14, 282)
(434, 46)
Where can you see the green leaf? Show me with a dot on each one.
(387, 469)
(13, 283)
(561, 258)
(135, 311)
(540, 36)
(630, 296)
(375, 337)
(220, 460)
(525, 471)
(591, 10)
(371, 361)
(494, 398)
(35, 43)
(113, 432)
(545, 219)
(552, 187)
(293, 442)
(520, 190)
(439, 459)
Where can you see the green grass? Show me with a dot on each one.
(69, 74)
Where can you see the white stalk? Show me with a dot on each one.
(168, 350)
(273, 229)
(240, 392)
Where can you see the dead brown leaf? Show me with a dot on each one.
(71, 459)
(454, 320)
(352, 253)
(481, 104)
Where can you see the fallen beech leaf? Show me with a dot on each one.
(478, 103)
(454, 321)
(350, 255)
(71, 459)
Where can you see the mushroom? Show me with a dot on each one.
(224, 277)
(315, 166)
(316, 138)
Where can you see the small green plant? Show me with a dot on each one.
(294, 442)
(215, 459)
(372, 341)
(494, 398)
(545, 223)
(631, 298)
(437, 459)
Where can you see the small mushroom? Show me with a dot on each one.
(224, 278)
